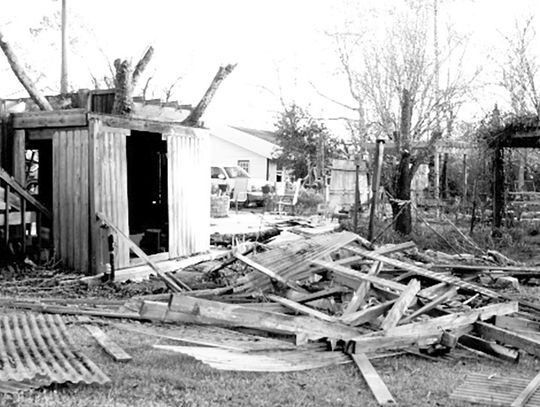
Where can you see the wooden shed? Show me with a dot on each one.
(150, 178)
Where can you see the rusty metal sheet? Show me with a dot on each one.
(36, 350)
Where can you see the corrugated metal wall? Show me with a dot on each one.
(70, 197)
(189, 191)
(110, 184)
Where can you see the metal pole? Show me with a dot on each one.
(356, 192)
(379, 153)
(64, 74)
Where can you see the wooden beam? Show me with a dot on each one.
(56, 118)
(456, 320)
(137, 250)
(357, 275)
(427, 273)
(452, 292)
(109, 346)
(502, 335)
(489, 347)
(361, 292)
(303, 309)
(367, 315)
(232, 315)
(401, 305)
(143, 124)
(373, 380)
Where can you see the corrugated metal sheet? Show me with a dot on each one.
(189, 191)
(493, 390)
(292, 261)
(110, 183)
(70, 197)
(102, 101)
(36, 350)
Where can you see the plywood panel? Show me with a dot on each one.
(70, 197)
(189, 191)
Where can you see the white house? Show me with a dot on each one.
(253, 150)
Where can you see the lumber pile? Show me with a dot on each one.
(306, 301)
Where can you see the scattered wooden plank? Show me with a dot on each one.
(452, 292)
(265, 270)
(360, 293)
(401, 305)
(456, 320)
(517, 324)
(502, 335)
(373, 380)
(230, 315)
(523, 397)
(427, 273)
(137, 250)
(110, 347)
(357, 275)
(303, 309)
(321, 294)
(489, 347)
(367, 315)
(379, 342)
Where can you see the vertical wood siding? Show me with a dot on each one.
(189, 191)
(110, 187)
(70, 197)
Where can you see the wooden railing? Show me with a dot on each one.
(11, 186)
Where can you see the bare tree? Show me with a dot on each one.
(519, 71)
(394, 79)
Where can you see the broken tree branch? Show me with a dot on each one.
(141, 65)
(196, 114)
(21, 75)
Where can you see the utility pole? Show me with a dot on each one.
(64, 73)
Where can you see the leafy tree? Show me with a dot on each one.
(305, 145)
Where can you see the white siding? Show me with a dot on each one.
(223, 152)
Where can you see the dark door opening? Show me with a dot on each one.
(147, 191)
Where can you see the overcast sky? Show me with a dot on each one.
(281, 47)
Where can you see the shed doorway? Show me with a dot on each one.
(147, 180)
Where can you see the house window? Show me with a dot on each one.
(244, 164)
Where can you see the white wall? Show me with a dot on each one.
(223, 152)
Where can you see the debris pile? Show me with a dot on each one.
(307, 300)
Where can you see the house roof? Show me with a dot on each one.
(266, 135)
(260, 142)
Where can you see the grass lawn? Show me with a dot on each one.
(157, 378)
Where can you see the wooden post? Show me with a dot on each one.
(465, 180)
(498, 188)
(436, 177)
(445, 177)
(379, 154)
(19, 157)
(64, 73)
(356, 192)
(6, 215)
(23, 224)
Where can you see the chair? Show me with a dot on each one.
(289, 200)
(240, 191)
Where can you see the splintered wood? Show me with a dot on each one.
(329, 299)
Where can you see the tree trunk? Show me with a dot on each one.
(402, 191)
(23, 78)
(196, 114)
(123, 97)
